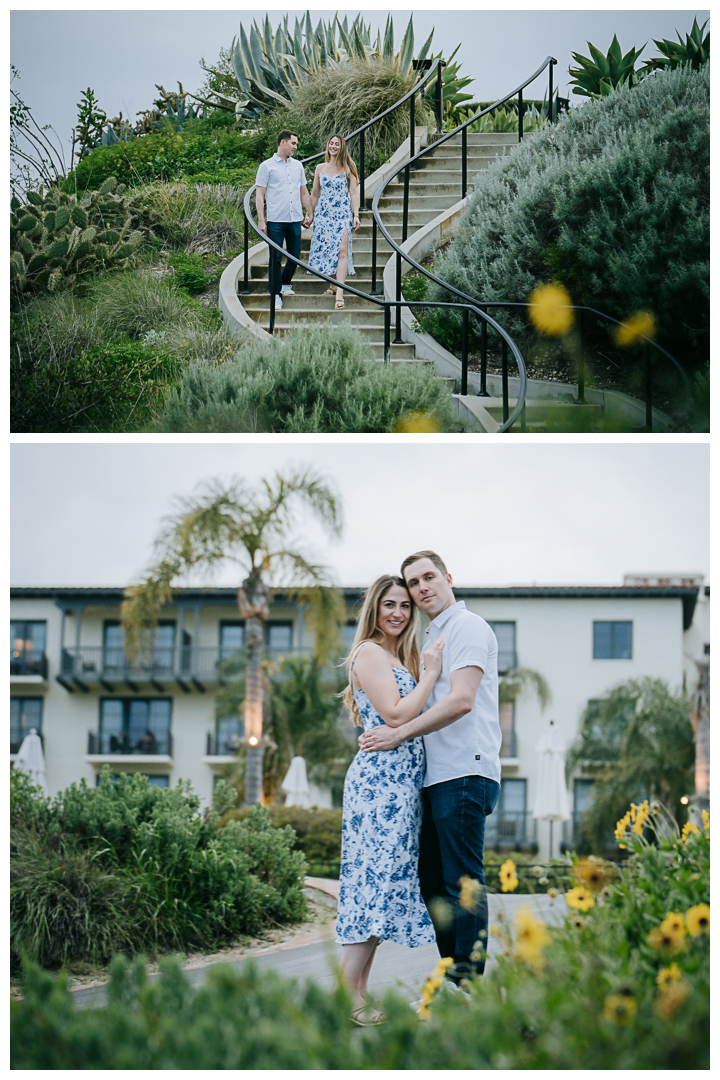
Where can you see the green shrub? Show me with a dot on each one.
(201, 218)
(617, 197)
(202, 149)
(128, 850)
(318, 379)
(189, 272)
(588, 999)
(129, 305)
(318, 833)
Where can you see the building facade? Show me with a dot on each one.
(71, 680)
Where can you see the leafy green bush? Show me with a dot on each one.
(594, 993)
(126, 850)
(318, 833)
(129, 305)
(201, 218)
(621, 188)
(318, 379)
(201, 150)
(189, 272)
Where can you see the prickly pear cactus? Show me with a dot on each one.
(57, 238)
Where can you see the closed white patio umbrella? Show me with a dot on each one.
(295, 784)
(31, 760)
(551, 798)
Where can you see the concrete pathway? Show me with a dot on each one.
(315, 955)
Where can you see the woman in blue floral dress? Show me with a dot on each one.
(335, 199)
(382, 809)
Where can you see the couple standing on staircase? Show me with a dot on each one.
(333, 206)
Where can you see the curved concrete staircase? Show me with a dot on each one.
(435, 186)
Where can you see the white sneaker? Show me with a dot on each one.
(287, 290)
(278, 303)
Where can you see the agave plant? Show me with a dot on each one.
(695, 50)
(598, 77)
(270, 67)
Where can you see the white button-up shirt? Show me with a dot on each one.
(282, 180)
(469, 746)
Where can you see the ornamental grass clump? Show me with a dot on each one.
(319, 379)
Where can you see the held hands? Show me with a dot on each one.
(308, 221)
(356, 222)
(432, 658)
(262, 226)
(380, 738)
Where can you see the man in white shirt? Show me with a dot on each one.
(460, 726)
(282, 182)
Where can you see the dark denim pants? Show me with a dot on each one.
(451, 847)
(289, 233)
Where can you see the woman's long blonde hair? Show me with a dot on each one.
(344, 160)
(368, 630)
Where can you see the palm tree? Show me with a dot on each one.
(234, 523)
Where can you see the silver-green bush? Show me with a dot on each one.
(613, 202)
(319, 379)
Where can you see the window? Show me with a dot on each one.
(582, 789)
(25, 713)
(278, 636)
(27, 647)
(507, 728)
(161, 659)
(228, 731)
(506, 826)
(612, 641)
(347, 636)
(232, 638)
(505, 634)
(135, 726)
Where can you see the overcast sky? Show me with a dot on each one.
(123, 54)
(87, 514)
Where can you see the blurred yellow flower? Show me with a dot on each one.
(419, 421)
(531, 937)
(697, 920)
(668, 1003)
(550, 309)
(636, 327)
(580, 898)
(552, 893)
(577, 921)
(706, 820)
(666, 975)
(620, 1009)
(497, 931)
(689, 828)
(508, 880)
(674, 924)
(431, 985)
(470, 893)
(592, 872)
(664, 940)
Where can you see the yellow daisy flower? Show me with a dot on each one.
(667, 975)
(620, 1009)
(664, 940)
(470, 893)
(706, 820)
(531, 937)
(640, 325)
(419, 421)
(580, 898)
(550, 309)
(674, 923)
(687, 830)
(592, 872)
(697, 920)
(668, 1003)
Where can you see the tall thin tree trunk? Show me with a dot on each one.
(700, 717)
(253, 601)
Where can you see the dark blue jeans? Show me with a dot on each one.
(289, 233)
(451, 847)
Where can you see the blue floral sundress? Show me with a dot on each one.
(333, 214)
(382, 813)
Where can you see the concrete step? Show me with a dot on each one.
(363, 312)
(403, 352)
(431, 201)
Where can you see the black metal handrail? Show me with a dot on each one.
(549, 62)
(387, 305)
(648, 343)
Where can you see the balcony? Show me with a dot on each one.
(34, 665)
(508, 749)
(511, 829)
(120, 748)
(187, 667)
(15, 744)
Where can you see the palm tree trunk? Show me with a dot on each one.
(254, 607)
(701, 723)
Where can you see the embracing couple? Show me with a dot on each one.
(333, 206)
(425, 778)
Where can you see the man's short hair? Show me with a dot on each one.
(432, 555)
(284, 135)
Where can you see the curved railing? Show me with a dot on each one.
(466, 306)
(462, 129)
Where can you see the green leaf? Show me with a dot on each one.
(407, 49)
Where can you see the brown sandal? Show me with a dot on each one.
(339, 305)
(330, 292)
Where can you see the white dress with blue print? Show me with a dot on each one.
(333, 215)
(382, 813)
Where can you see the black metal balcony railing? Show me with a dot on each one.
(510, 829)
(29, 664)
(95, 663)
(222, 745)
(121, 743)
(509, 745)
(16, 743)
